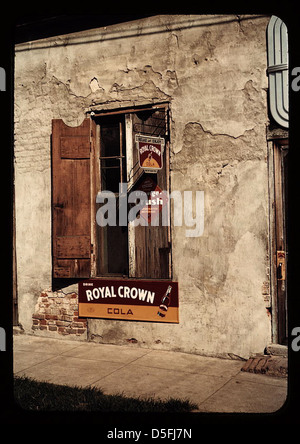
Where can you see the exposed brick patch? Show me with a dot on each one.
(266, 364)
(58, 312)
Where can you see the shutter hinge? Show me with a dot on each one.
(92, 249)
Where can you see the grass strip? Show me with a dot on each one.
(43, 396)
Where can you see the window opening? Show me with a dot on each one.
(112, 154)
(122, 250)
(96, 156)
(112, 240)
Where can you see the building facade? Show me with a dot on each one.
(195, 88)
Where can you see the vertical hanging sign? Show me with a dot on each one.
(150, 151)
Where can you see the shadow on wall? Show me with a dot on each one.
(60, 283)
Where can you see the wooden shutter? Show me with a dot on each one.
(152, 243)
(71, 199)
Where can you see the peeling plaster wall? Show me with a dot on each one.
(212, 70)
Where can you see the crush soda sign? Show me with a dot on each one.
(157, 199)
(139, 300)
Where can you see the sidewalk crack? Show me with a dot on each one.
(220, 388)
(119, 368)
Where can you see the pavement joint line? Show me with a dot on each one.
(180, 370)
(120, 368)
(34, 365)
(75, 357)
(40, 362)
(149, 351)
(212, 394)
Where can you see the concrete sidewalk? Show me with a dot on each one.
(215, 385)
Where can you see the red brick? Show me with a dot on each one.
(260, 367)
(62, 323)
(67, 318)
(247, 364)
(78, 324)
(38, 316)
(52, 328)
(51, 317)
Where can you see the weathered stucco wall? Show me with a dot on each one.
(212, 70)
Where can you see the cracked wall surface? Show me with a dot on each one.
(212, 71)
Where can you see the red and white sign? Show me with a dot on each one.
(150, 151)
(156, 199)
